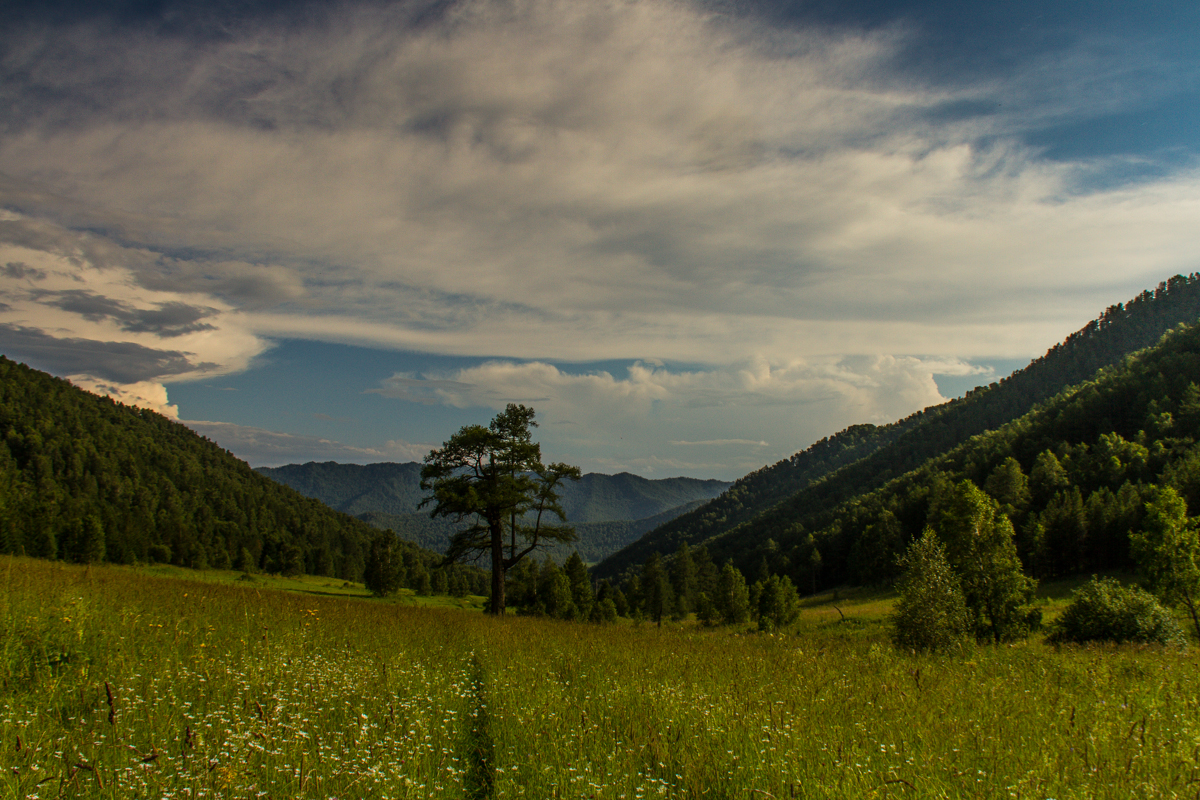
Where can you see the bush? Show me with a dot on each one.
(1105, 611)
(931, 613)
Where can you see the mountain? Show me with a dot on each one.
(84, 478)
(608, 511)
(595, 539)
(1073, 475)
(863, 457)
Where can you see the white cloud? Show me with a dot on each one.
(606, 422)
(592, 181)
(143, 394)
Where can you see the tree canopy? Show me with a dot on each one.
(493, 477)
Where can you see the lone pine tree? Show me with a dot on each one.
(494, 477)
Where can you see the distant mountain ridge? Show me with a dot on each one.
(608, 511)
(864, 457)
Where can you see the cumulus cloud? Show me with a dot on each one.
(265, 448)
(143, 394)
(856, 380)
(629, 421)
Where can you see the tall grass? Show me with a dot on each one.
(226, 691)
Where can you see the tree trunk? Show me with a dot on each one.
(1191, 607)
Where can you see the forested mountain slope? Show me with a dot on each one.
(608, 511)
(865, 457)
(384, 488)
(1073, 475)
(84, 478)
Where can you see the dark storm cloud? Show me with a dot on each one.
(123, 362)
(166, 321)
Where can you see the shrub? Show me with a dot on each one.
(1104, 610)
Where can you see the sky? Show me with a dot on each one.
(696, 237)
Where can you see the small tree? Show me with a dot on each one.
(778, 603)
(980, 547)
(732, 600)
(581, 586)
(554, 592)
(931, 613)
(1167, 550)
(683, 580)
(522, 588)
(1009, 486)
(384, 570)
(657, 597)
(494, 477)
(93, 540)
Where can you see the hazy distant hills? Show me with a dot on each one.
(608, 511)
(805, 488)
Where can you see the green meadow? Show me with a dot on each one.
(119, 682)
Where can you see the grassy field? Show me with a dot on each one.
(120, 683)
(303, 584)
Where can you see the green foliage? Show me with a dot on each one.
(931, 614)
(561, 592)
(683, 581)
(384, 573)
(657, 595)
(778, 603)
(980, 548)
(1167, 549)
(582, 596)
(1009, 486)
(1103, 610)
(554, 597)
(732, 600)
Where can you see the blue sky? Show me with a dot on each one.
(695, 236)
